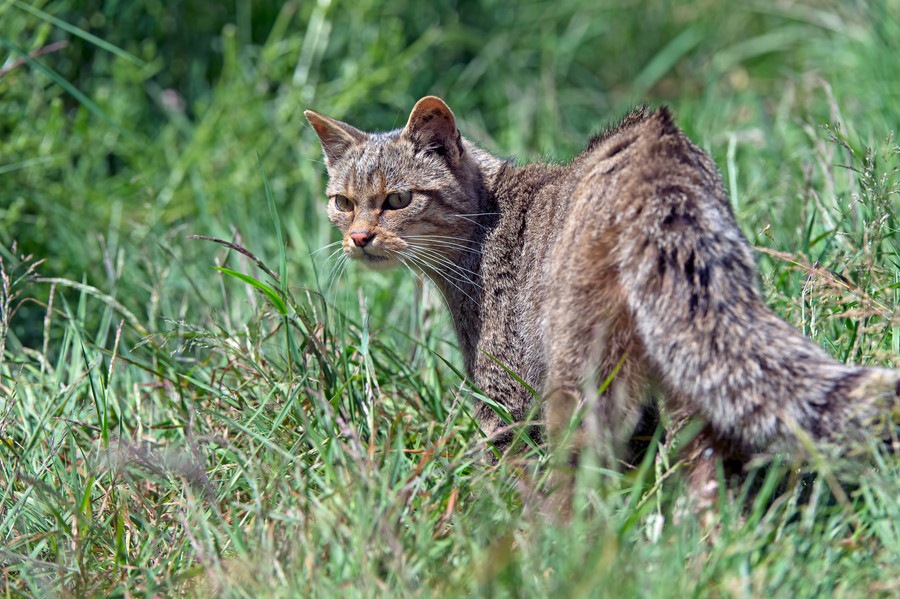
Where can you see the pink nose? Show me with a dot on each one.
(361, 239)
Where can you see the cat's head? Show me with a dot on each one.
(405, 197)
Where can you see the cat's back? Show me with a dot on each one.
(642, 173)
(646, 156)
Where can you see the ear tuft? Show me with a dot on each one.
(432, 128)
(336, 137)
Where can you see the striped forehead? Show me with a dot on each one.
(383, 164)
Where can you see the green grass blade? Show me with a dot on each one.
(77, 31)
(277, 301)
(71, 89)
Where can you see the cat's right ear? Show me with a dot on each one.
(336, 137)
(432, 128)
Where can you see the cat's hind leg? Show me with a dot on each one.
(597, 378)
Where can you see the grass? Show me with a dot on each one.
(177, 419)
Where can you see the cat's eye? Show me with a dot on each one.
(398, 200)
(343, 203)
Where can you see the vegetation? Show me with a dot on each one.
(177, 417)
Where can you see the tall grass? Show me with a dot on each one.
(243, 418)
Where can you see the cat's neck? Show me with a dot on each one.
(461, 285)
(504, 194)
(464, 299)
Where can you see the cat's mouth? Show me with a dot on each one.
(375, 261)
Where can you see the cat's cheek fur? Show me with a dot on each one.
(342, 224)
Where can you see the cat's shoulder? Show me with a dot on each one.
(641, 131)
(639, 122)
(643, 139)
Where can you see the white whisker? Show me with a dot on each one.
(474, 221)
(448, 274)
(416, 260)
(445, 241)
(336, 252)
(336, 272)
(419, 273)
(436, 254)
(325, 247)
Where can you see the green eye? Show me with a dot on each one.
(343, 203)
(398, 200)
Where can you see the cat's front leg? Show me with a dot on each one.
(509, 426)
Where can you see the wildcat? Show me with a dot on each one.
(625, 267)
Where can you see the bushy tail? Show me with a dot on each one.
(691, 284)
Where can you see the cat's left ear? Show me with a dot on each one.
(336, 137)
(432, 128)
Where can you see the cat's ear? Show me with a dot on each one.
(336, 137)
(432, 128)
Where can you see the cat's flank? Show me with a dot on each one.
(626, 261)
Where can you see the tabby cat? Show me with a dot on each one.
(624, 267)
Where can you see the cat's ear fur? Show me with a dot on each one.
(336, 137)
(432, 128)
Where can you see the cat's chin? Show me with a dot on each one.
(376, 262)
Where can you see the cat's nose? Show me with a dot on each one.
(362, 238)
